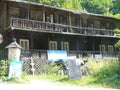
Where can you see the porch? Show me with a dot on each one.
(40, 26)
(42, 54)
(78, 54)
(40, 58)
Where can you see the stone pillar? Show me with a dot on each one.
(14, 50)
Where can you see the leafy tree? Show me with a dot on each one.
(97, 6)
(69, 4)
(116, 7)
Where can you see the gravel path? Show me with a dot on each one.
(44, 85)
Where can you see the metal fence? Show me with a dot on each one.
(36, 61)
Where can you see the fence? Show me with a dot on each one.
(35, 61)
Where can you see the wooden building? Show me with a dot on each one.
(44, 27)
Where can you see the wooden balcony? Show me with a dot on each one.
(26, 24)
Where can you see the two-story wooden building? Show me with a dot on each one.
(37, 26)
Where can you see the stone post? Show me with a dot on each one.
(14, 50)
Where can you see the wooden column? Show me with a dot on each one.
(31, 37)
(70, 22)
(28, 12)
(43, 15)
(69, 19)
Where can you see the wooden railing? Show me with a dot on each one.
(58, 28)
(78, 54)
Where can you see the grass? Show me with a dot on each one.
(105, 75)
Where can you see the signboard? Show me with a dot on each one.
(15, 69)
(98, 56)
(55, 55)
(1, 38)
(74, 69)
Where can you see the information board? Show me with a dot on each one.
(55, 55)
(15, 69)
(74, 69)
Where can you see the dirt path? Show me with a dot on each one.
(44, 85)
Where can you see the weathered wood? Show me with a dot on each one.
(26, 24)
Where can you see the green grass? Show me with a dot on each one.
(105, 75)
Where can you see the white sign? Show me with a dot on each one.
(15, 69)
(74, 69)
(1, 38)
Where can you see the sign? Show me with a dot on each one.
(55, 55)
(1, 38)
(74, 69)
(15, 69)
(98, 56)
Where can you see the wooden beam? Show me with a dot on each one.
(43, 15)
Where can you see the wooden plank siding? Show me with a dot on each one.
(41, 24)
(30, 12)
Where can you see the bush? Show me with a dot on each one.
(106, 72)
(4, 68)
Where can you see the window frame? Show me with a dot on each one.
(109, 48)
(52, 45)
(65, 46)
(24, 46)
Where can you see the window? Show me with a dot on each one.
(49, 18)
(63, 19)
(24, 43)
(110, 48)
(24, 13)
(36, 15)
(78, 22)
(14, 12)
(65, 46)
(53, 45)
(111, 26)
(102, 48)
(90, 26)
(103, 25)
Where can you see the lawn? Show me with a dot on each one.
(105, 75)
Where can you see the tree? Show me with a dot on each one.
(116, 7)
(69, 4)
(97, 6)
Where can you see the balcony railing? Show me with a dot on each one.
(57, 28)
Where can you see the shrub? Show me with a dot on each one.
(4, 68)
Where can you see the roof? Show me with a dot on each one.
(64, 9)
(14, 44)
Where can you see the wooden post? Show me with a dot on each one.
(43, 15)
(70, 22)
(32, 65)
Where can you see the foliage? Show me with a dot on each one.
(116, 7)
(117, 33)
(69, 4)
(97, 6)
(4, 68)
(92, 6)
(117, 45)
(106, 75)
